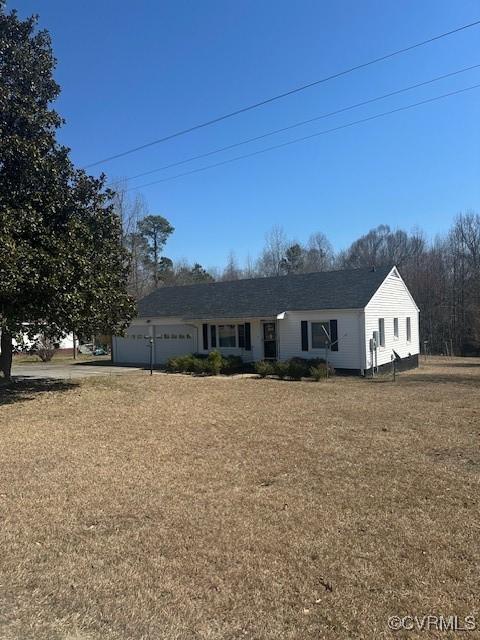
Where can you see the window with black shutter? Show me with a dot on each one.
(213, 336)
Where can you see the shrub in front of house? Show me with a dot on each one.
(305, 364)
(200, 364)
(318, 373)
(233, 364)
(172, 365)
(281, 369)
(296, 370)
(214, 363)
(264, 368)
(182, 364)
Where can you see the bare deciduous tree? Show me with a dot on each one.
(270, 261)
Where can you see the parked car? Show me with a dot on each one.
(86, 349)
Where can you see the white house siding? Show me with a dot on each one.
(349, 354)
(392, 300)
(171, 337)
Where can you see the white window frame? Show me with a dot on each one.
(408, 328)
(226, 324)
(325, 322)
(381, 333)
(396, 329)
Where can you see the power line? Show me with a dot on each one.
(303, 122)
(283, 95)
(305, 138)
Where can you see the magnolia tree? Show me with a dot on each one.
(62, 265)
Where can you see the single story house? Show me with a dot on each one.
(363, 317)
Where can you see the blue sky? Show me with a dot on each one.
(134, 72)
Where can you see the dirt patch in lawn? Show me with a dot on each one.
(174, 507)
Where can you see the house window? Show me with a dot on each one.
(227, 335)
(395, 328)
(409, 330)
(381, 331)
(320, 333)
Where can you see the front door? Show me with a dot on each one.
(270, 340)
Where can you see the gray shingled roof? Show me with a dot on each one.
(259, 297)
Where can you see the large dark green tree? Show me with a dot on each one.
(62, 265)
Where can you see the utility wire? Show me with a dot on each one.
(303, 122)
(305, 138)
(283, 95)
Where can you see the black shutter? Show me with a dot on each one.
(205, 337)
(241, 336)
(304, 324)
(334, 335)
(213, 336)
(248, 337)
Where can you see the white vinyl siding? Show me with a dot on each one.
(392, 300)
(349, 329)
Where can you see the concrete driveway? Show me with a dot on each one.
(69, 370)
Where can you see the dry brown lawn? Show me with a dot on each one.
(175, 507)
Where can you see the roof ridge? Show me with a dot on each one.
(265, 278)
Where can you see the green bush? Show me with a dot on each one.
(281, 369)
(320, 372)
(172, 365)
(264, 368)
(306, 364)
(215, 363)
(296, 370)
(182, 364)
(201, 363)
(233, 364)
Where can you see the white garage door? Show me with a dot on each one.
(134, 347)
(173, 340)
(168, 341)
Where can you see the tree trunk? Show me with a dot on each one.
(6, 349)
(155, 261)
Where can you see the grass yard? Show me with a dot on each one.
(175, 508)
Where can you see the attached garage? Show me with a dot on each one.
(168, 340)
